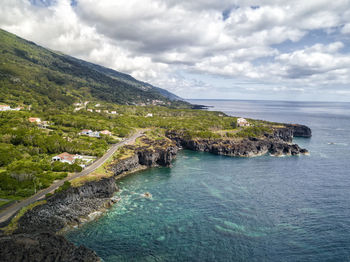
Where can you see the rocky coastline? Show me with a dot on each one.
(36, 238)
(277, 143)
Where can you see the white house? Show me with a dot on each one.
(5, 108)
(242, 122)
(149, 115)
(90, 133)
(114, 112)
(95, 134)
(90, 110)
(98, 110)
(66, 158)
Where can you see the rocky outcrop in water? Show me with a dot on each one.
(42, 247)
(69, 207)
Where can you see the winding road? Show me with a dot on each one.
(11, 210)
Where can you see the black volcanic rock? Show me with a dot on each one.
(42, 247)
(285, 134)
(67, 207)
(300, 130)
(277, 143)
(162, 154)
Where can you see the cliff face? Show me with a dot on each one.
(278, 143)
(68, 207)
(42, 247)
(146, 156)
(300, 130)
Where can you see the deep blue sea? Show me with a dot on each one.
(217, 208)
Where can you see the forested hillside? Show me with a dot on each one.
(33, 75)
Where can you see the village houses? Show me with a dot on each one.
(242, 122)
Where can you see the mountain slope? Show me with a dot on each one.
(30, 74)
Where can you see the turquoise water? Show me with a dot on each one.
(217, 208)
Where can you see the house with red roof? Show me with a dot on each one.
(66, 158)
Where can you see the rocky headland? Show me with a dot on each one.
(277, 143)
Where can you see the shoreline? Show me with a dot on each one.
(74, 207)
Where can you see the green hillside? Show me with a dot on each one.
(33, 75)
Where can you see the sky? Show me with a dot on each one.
(227, 49)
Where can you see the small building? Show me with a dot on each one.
(90, 110)
(5, 108)
(106, 132)
(149, 115)
(86, 132)
(97, 105)
(106, 111)
(98, 110)
(34, 120)
(242, 122)
(113, 112)
(66, 158)
(90, 133)
(95, 134)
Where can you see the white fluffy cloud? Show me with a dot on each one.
(298, 45)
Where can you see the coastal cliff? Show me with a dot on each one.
(149, 154)
(69, 207)
(35, 238)
(277, 143)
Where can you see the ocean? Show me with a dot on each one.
(218, 208)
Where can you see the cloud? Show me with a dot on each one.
(239, 40)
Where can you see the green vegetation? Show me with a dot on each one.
(3, 202)
(64, 187)
(14, 222)
(253, 131)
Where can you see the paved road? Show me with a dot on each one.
(11, 210)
